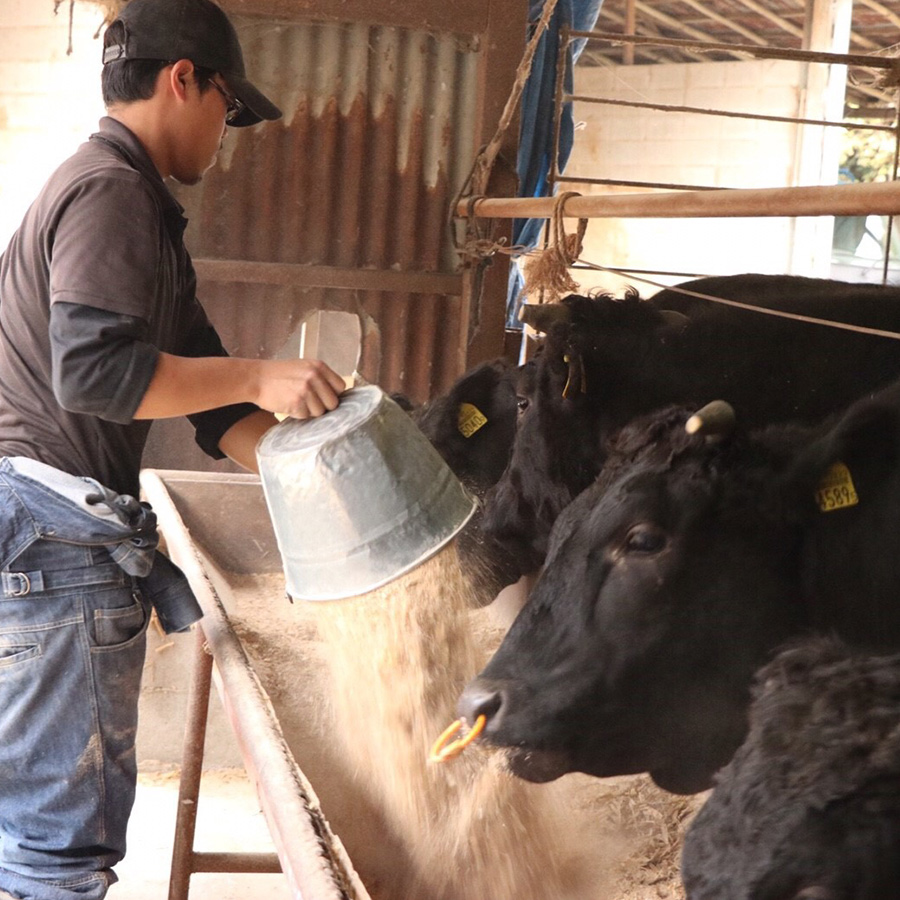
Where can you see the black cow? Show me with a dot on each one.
(809, 807)
(676, 575)
(617, 359)
(472, 426)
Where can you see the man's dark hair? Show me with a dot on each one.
(127, 80)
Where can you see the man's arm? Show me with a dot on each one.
(301, 388)
(239, 442)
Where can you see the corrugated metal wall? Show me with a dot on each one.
(343, 203)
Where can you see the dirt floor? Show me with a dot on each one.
(228, 819)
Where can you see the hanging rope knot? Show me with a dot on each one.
(546, 272)
(883, 79)
(479, 241)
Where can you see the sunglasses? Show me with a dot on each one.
(233, 106)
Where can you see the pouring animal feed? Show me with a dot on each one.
(397, 658)
(366, 515)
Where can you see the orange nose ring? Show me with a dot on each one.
(445, 749)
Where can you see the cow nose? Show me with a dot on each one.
(483, 697)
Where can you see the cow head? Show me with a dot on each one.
(667, 583)
(473, 426)
(585, 381)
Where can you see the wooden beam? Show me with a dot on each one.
(459, 17)
(882, 198)
(630, 28)
(706, 11)
(817, 152)
(301, 276)
(782, 23)
(868, 61)
(882, 10)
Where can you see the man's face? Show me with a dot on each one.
(204, 134)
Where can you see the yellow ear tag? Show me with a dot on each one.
(836, 490)
(471, 418)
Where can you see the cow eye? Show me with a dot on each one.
(522, 403)
(645, 539)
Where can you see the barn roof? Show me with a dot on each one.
(875, 28)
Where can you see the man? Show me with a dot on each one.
(100, 333)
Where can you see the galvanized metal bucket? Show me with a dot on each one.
(357, 497)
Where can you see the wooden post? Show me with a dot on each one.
(630, 25)
(827, 29)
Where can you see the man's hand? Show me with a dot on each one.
(300, 388)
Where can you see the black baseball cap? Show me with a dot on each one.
(197, 30)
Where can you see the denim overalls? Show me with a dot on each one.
(79, 573)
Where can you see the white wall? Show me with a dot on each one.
(49, 100)
(683, 148)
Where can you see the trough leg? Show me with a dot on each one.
(191, 770)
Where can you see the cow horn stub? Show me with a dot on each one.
(674, 319)
(716, 420)
(542, 316)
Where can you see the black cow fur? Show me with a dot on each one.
(679, 573)
(809, 807)
(631, 359)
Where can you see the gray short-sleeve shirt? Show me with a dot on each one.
(93, 285)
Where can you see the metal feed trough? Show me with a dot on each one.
(218, 526)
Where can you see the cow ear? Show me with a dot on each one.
(864, 443)
(869, 434)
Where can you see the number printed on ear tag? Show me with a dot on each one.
(836, 490)
(471, 418)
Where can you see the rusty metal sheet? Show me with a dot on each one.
(378, 126)
(345, 202)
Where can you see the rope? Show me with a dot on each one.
(844, 326)
(484, 162)
(546, 272)
(478, 244)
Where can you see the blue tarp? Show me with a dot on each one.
(536, 131)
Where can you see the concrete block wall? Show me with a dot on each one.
(49, 98)
(668, 147)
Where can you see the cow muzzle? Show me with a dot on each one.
(491, 698)
(484, 697)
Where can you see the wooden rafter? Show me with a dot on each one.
(758, 22)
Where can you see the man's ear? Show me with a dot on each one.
(178, 77)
